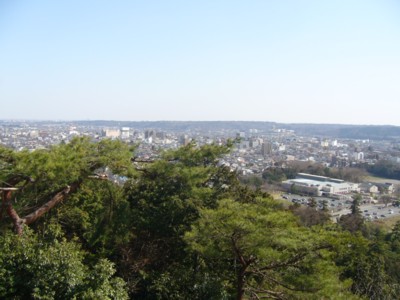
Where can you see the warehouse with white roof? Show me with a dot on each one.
(319, 185)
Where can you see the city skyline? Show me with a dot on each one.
(285, 62)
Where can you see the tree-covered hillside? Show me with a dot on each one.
(88, 220)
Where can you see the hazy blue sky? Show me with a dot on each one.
(272, 60)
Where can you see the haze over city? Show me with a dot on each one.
(280, 61)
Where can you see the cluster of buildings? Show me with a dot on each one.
(319, 185)
(314, 185)
(255, 150)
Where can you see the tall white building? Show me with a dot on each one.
(359, 155)
(125, 132)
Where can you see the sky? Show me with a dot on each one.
(289, 61)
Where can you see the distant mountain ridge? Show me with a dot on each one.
(373, 132)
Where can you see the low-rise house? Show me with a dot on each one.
(368, 187)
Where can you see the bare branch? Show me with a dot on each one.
(138, 160)
(293, 261)
(291, 288)
(17, 178)
(99, 176)
(290, 262)
(57, 198)
(270, 294)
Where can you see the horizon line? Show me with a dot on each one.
(186, 121)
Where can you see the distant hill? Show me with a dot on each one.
(373, 132)
(185, 125)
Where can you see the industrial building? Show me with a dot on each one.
(319, 185)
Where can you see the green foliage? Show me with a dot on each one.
(184, 282)
(65, 163)
(312, 203)
(41, 174)
(385, 168)
(266, 249)
(182, 227)
(366, 263)
(354, 221)
(252, 180)
(165, 199)
(355, 206)
(99, 215)
(309, 216)
(192, 156)
(277, 175)
(325, 205)
(100, 283)
(49, 267)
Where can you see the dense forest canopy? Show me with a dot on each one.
(88, 220)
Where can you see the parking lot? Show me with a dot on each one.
(342, 207)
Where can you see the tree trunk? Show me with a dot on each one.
(17, 221)
(240, 283)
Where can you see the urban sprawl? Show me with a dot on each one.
(254, 152)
